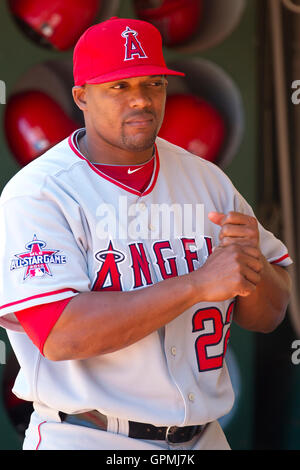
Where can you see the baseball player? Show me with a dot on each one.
(124, 260)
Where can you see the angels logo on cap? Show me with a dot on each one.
(132, 46)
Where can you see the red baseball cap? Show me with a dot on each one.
(119, 48)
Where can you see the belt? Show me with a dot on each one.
(172, 434)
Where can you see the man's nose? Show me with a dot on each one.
(140, 99)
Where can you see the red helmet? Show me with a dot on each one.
(34, 123)
(177, 20)
(193, 124)
(59, 22)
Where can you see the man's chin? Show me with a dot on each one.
(139, 144)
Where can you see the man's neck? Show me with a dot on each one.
(108, 154)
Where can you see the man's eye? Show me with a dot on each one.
(118, 86)
(156, 83)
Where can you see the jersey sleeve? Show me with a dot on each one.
(271, 247)
(38, 321)
(42, 255)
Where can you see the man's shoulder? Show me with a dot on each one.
(30, 179)
(177, 155)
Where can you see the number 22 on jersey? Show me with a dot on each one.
(203, 319)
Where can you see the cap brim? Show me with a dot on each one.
(130, 72)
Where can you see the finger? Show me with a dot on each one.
(246, 288)
(216, 217)
(252, 251)
(241, 231)
(243, 247)
(254, 264)
(252, 276)
(226, 241)
(237, 218)
(247, 257)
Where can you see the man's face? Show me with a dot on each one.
(127, 113)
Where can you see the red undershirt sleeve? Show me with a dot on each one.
(38, 321)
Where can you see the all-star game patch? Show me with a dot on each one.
(36, 259)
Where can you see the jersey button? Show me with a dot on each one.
(191, 397)
(173, 351)
(142, 206)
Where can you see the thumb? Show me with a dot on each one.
(216, 217)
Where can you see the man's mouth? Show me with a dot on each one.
(141, 120)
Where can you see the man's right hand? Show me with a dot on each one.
(229, 271)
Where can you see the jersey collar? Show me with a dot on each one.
(72, 140)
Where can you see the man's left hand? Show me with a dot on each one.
(236, 228)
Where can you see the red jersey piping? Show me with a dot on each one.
(280, 259)
(39, 433)
(38, 296)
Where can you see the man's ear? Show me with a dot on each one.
(79, 96)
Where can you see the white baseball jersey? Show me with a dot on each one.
(67, 228)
